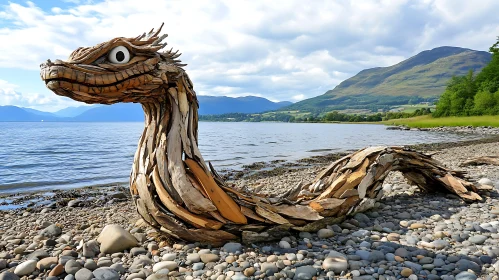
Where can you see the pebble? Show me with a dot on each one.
(25, 268)
(325, 233)
(406, 272)
(170, 265)
(114, 238)
(336, 264)
(84, 274)
(106, 273)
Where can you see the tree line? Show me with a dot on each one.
(473, 95)
(312, 118)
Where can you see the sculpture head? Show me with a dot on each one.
(119, 70)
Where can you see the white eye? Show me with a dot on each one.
(119, 55)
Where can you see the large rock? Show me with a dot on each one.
(25, 268)
(7, 275)
(114, 238)
(51, 231)
(84, 274)
(106, 273)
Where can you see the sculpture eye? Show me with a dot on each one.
(119, 55)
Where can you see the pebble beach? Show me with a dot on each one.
(96, 233)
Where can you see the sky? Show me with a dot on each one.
(281, 50)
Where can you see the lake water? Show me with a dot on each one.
(43, 155)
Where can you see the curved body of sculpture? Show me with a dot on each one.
(173, 187)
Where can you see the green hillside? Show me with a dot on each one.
(422, 77)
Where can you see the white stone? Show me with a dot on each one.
(170, 265)
(486, 181)
(114, 238)
(336, 264)
(25, 268)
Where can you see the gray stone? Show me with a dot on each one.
(72, 266)
(465, 275)
(138, 251)
(305, 272)
(232, 247)
(464, 265)
(51, 231)
(198, 266)
(376, 256)
(414, 266)
(478, 239)
(70, 277)
(106, 273)
(84, 274)
(118, 267)
(7, 275)
(325, 233)
(363, 254)
(3, 264)
(90, 264)
(38, 254)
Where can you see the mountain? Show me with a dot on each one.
(121, 112)
(39, 113)
(422, 77)
(216, 105)
(74, 111)
(17, 114)
(130, 112)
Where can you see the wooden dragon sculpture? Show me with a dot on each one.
(175, 190)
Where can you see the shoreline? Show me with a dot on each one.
(407, 233)
(256, 171)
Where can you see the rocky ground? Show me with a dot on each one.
(96, 234)
(483, 130)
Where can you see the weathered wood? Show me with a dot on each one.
(172, 186)
(224, 203)
(489, 160)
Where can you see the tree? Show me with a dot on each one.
(484, 103)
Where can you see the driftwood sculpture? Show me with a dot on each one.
(175, 190)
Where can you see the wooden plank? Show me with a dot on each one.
(271, 216)
(166, 199)
(251, 214)
(224, 203)
(298, 212)
(326, 204)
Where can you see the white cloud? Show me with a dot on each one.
(282, 50)
(10, 96)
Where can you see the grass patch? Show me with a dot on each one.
(428, 121)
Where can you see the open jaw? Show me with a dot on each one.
(93, 84)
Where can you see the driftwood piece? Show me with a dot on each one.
(174, 189)
(490, 160)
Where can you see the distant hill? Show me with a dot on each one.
(130, 112)
(217, 105)
(74, 111)
(17, 114)
(121, 112)
(422, 77)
